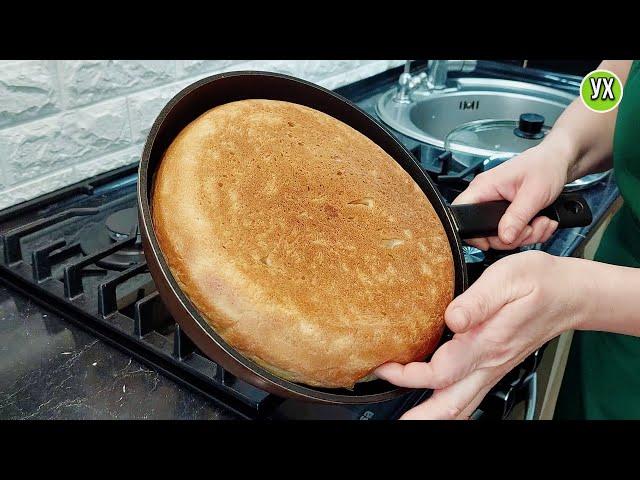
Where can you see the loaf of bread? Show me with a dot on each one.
(304, 245)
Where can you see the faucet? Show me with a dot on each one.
(431, 80)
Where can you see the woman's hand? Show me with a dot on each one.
(531, 181)
(518, 304)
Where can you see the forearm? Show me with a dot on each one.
(611, 298)
(582, 138)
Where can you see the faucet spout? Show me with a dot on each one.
(438, 71)
(433, 79)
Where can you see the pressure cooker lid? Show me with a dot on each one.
(488, 138)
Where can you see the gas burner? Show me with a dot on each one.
(118, 226)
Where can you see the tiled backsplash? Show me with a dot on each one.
(65, 120)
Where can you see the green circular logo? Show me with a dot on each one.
(601, 91)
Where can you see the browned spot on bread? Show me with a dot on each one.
(332, 211)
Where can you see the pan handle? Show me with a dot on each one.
(481, 219)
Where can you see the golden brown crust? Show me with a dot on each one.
(302, 243)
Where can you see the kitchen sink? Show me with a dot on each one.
(430, 115)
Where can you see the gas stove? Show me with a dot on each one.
(77, 252)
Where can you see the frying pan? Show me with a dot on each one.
(461, 221)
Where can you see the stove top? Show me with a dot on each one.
(77, 251)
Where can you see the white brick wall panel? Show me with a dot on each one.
(295, 68)
(145, 106)
(190, 68)
(107, 162)
(36, 148)
(67, 176)
(87, 81)
(318, 69)
(35, 187)
(4, 176)
(26, 91)
(311, 70)
(365, 70)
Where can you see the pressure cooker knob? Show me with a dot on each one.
(530, 126)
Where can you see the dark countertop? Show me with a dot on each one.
(51, 369)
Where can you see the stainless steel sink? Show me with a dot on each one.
(431, 115)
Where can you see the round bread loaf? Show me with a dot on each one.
(305, 246)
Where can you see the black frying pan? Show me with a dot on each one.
(463, 221)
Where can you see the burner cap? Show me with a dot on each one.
(118, 226)
(122, 224)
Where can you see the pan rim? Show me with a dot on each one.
(152, 246)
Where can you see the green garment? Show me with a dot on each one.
(602, 378)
